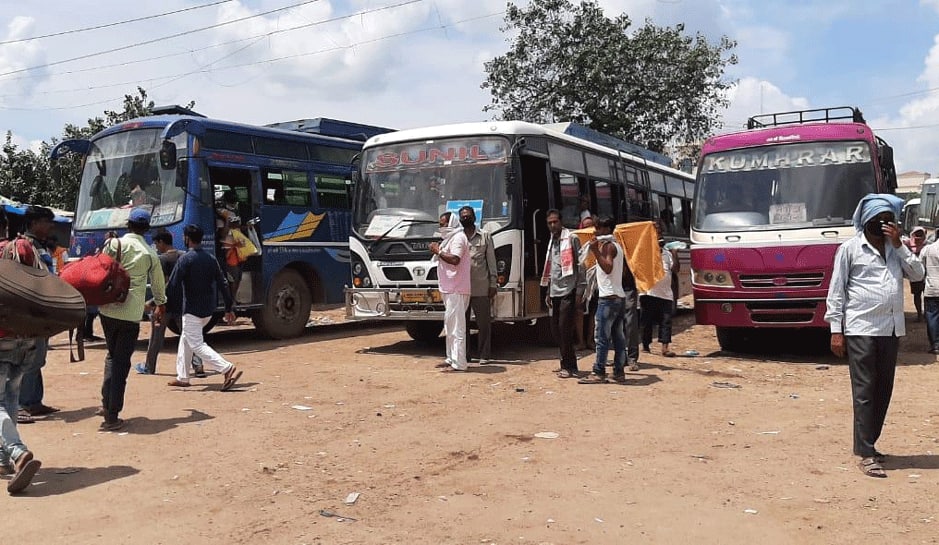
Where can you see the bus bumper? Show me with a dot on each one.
(761, 313)
(393, 304)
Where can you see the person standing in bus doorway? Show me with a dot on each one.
(121, 321)
(193, 286)
(610, 305)
(865, 311)
(483, 285)
(453, 270)
(916, 243)
(930, 258)
(561, 276)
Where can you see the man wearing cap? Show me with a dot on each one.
(19, 356)
(121, 321)
(865, 311)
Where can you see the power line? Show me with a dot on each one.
(116, 23)
(148, 42)
(255, 38)
(276, 59)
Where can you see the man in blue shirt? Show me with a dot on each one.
(192, 291)
(865, 311)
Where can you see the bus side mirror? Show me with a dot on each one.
(168, 155)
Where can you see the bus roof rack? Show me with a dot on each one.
(817, 115)
(332, 127)
(174, 109)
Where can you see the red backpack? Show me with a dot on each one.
(100, 278)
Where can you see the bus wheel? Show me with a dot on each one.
(286, 310)
(424, 331)
(732, 339)
(175, 324)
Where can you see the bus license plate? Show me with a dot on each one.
(420, 296)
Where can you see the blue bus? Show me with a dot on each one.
(292, 182)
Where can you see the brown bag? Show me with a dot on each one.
(36, 303)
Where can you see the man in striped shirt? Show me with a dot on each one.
(865, 311)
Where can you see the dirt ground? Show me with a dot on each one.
(710, 449)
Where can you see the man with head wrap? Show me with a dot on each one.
(865, 311)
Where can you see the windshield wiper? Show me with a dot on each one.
(410, 221)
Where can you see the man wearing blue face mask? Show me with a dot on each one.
(865, 311)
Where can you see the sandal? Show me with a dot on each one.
(231, 377)
(594, 379)
(564, 373)
(668, 354)
(872, 468)
(442, 365)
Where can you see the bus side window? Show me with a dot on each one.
(568, 190)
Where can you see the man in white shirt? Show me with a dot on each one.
(611, 303)
(657, 304)
(930, 258)
(865, 311)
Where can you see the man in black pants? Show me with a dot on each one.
(865, 311)
(562, 276)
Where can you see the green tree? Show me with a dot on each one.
(573, 63)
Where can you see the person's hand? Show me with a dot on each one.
(435, 248)
(159, 313)
(892, 232)
(837, 344)
(492, 292)
(547, 301)
(230, 317)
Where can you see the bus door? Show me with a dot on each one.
(242, 182)
(536, 190)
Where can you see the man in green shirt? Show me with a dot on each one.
(121, 321)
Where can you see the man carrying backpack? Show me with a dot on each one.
(121, 321)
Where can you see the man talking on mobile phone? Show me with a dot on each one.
(865, 311)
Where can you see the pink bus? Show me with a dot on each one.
(772, 204)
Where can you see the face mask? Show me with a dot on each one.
(467, 222)
(874, 229)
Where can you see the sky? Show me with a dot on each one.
(413, 63)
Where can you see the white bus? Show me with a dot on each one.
(512, 173)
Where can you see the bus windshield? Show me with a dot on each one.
(122, 171)
(787, 186)
(406, 187)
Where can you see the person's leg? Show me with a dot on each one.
(12, 357)
(579, 327)
(192, 328)
(566, 308)
(458, 350)
(917, 290)
(665, 323)
(121, 337)
(886, 362)
(862, 366)
(604, 321)
(932, 322)
(645, 321)
(483, 311)
(631, 328)
(155, 345)
(618, 336)
(31, 387)
(555, 321)
(450, 306)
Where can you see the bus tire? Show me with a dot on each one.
(424, 331)
(286, 310)
(732, 339)
(175, 323)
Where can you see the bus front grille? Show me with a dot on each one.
(397, 274)
(782, 312)
(776, 281)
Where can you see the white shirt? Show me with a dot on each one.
(930, 258)
(865, 296)
(663, 288)
(611, 284)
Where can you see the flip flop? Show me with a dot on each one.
(23, 476)
(872, 468)
(231, 380)
(668, 354)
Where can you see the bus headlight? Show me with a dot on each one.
(360, 277)
(503, 264)
(717, 279)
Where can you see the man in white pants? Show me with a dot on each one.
(453, 271)
(196, 279)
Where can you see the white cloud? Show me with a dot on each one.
(751, 96)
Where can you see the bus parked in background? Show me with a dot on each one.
(928, 210)
(909, 217)
(511, 173)
(290, 182)
(772, 205)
